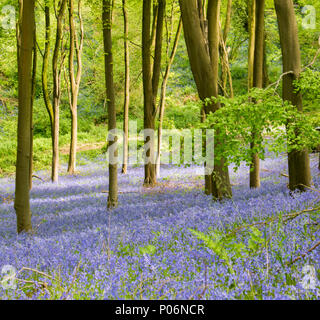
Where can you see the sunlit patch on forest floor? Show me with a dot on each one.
(170, 242)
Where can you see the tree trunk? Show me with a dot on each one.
(151, 76)
(73, 91)
(213, 16)
(154, 23)
(201, 13)
(112, 121)
(22, 200)
(34, 70)
(56, 70)
(266, 80)
(45, 68)
(252, 37)
(220, 180)
(228, 21)
(298, 160)
(225, 67)
(33, 92)
(73, 142)
(126, 89)
(18, 29)
(257, 81)
(150, 178)
(205, 77)
(74, 80)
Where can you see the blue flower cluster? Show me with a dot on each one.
(144, 248)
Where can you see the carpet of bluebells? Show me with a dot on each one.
(147, 249)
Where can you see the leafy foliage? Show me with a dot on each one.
(262, 118)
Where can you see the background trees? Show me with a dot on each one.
(224, 48)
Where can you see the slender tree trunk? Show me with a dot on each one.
(22, 200)
(73, 142)
(45, 69)
(154, 23)
(74, 79)
(126, 89)
(151, 77)
(213, 40)
(18, 29)
(34, 70)
(266, 80)
(112, 120)
(255, 165)
(205, 76)
(298, 160)
(150, 178)
(227, 24)
(252, 39)
(257, 82)
(33, 92)
(56, 70)
(156, 71)
(219, 183)
(213, 16)
(203, 22)
(163, 94)
(225, 67)
(73, 91)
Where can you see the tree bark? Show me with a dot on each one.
(219, 181)
(112, 121)
(225, 67)
(252, 39)
(45, 68)
(74, 79)
(257, 81)
(34, 71)
(213, 16)
(203, 22)
(227, 24)
(56, 70)
(154, 23)
(151, 77)
(33, 92)
(205, 77)
(18, 29)
(22, 200)
(150, 178)
(266, 80)
(126, 88)
(298, 160)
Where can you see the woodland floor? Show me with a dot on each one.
(145, 248)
